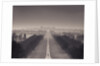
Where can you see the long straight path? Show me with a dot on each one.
(48, 48)
(56, 51)
(40, 50)
(48, 56)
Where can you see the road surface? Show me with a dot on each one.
(48, 48)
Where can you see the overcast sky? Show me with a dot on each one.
(26, 17)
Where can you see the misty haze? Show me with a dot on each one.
(48, 32)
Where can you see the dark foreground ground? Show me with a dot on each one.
(60, 47)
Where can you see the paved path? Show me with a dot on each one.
(48, 56)
(48, 48)
(56, 51)
(39, 51)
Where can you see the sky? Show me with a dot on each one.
(60, 16)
